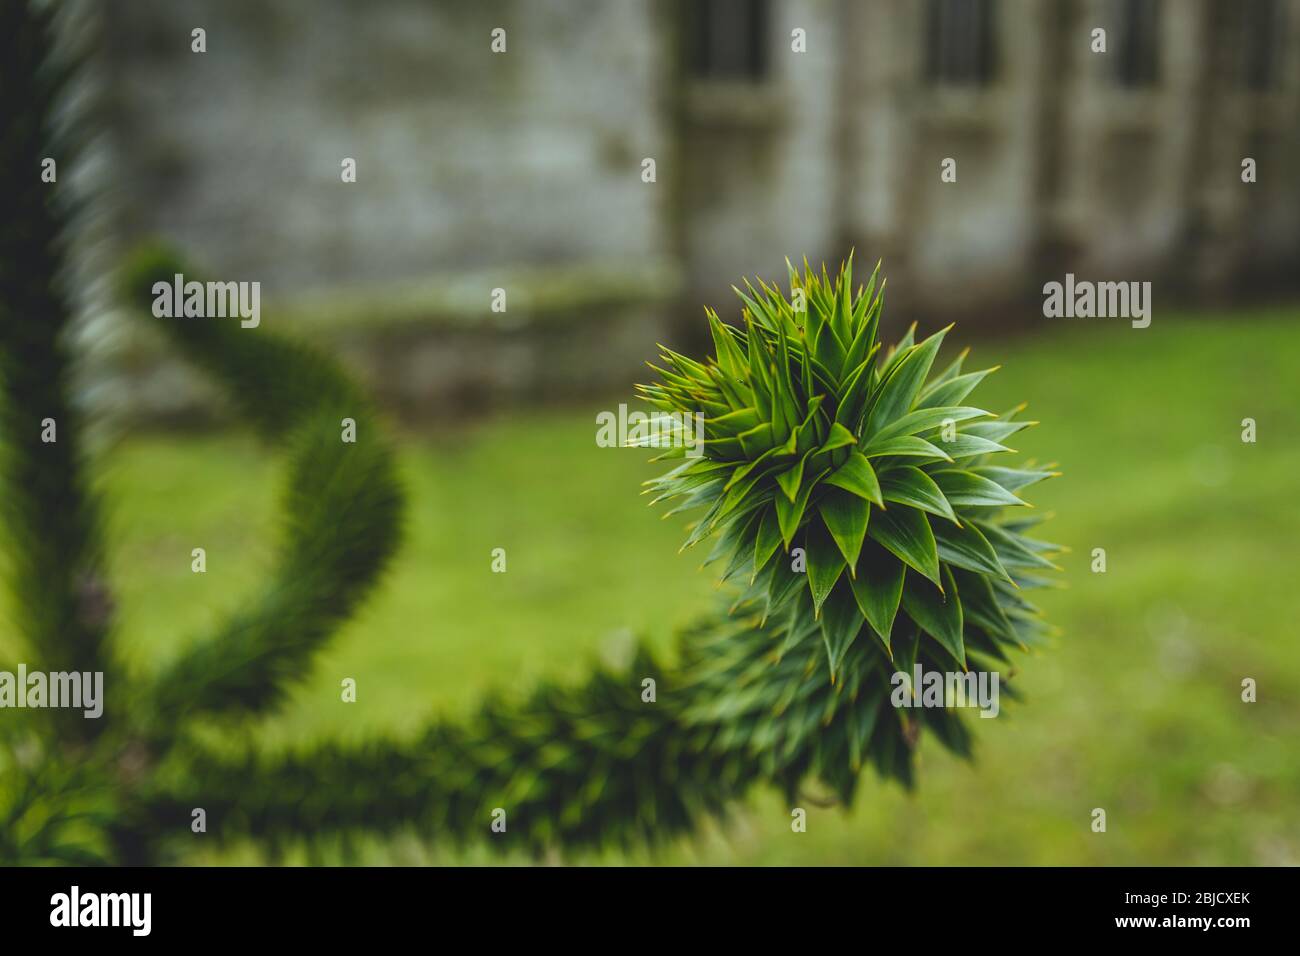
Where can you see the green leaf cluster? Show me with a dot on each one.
(851, 491)
(852, 495)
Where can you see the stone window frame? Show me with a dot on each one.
(960, 43)
(729, 41)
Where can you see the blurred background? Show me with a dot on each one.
(525, 170)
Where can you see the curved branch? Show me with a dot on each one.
(343, 506)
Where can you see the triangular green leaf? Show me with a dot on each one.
(906, 532)
(877, 588)
(980, 605)
(905, 445)
(1013, 479)
(923, 419)
(845, 515)
(909, 485)
(790, 513)
(967, 488)
(952, 390)
(840, 622)
(901, 388)
(839, 437)
(937, 613)
(967, 548)
(857, 476)
(789, 479)
(825, 563)
(767, 539)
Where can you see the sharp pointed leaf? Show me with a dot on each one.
(965, 547)
(903, 384)
(909, 485)
(937, 613)
(877, 587)
(840, 624)
(906, 532)
(825, 563)
(967, 488)
(845, 515)
(905, 446)
(857, 476)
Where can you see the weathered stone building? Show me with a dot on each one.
(1125, 164)
(776, 128)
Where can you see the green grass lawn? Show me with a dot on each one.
(1137, 708)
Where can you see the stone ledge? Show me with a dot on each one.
(543, 296)
(424, 348)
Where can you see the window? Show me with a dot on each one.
(1137, 61)
(959, 42)
(728, 39)
(1261, 48)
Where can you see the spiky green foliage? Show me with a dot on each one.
(915, 551)
(69, 785)
(49, 511)
(341, 508)
(573, 767)
(855, 496)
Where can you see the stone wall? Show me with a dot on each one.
(513, 170)
(465, 158)
(522, 169)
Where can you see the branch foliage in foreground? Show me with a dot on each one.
(72, 789)
(791, 684)
(54, 560)
(851, 494)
